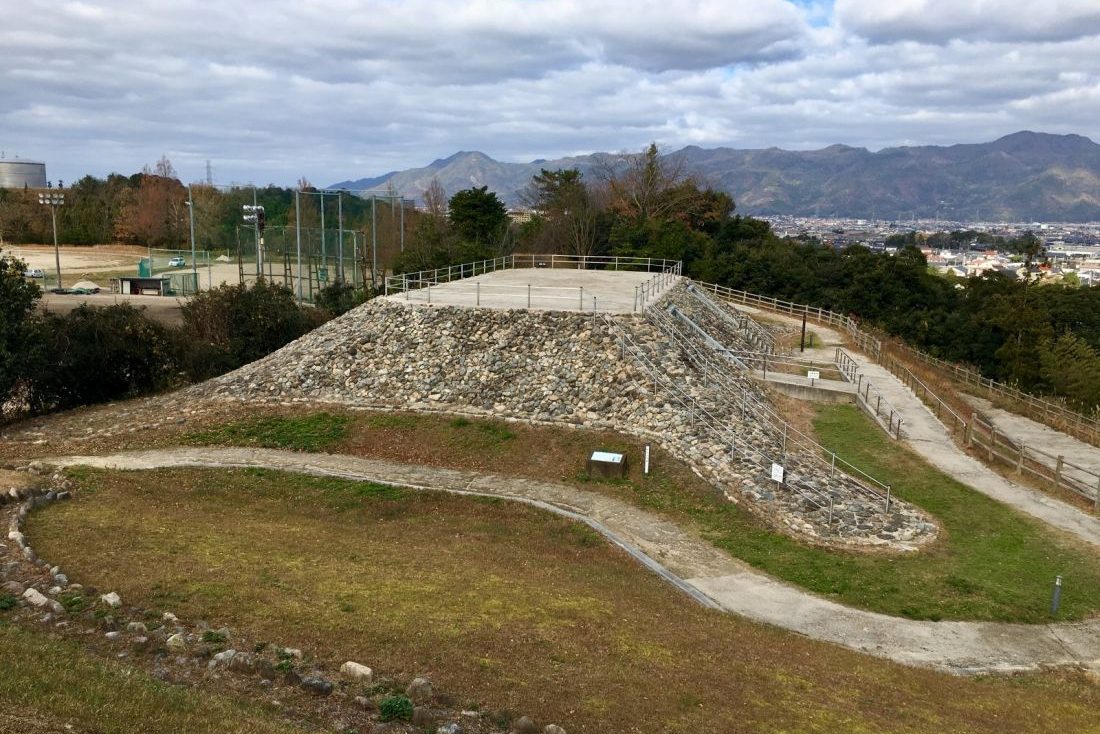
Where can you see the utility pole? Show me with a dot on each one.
(298, 236)
(340, 228)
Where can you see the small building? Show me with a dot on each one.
(134, 285)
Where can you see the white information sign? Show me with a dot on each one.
(607, 457)
(777, 472)
(814, 374)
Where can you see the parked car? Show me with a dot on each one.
(36, 273)
(177, 262)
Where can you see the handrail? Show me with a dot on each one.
(526, 260)
(863, 340)
(1079, 424)
(660, 380)
(756, 334)
(762, 411)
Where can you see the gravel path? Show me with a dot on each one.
(707, 574)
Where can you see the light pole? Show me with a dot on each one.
(54, 200)
(191, 217)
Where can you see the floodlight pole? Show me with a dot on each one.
(298, 236)
(53, 201)
(256, 229)
(191, 217)
(402, 224)
(324, 252)
(340, 226)
(373, 241)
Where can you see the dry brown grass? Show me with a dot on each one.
(501, 605)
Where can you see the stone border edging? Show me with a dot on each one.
(691, 565)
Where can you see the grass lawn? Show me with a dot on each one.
(502, 605)
(990, 562)
(46, 684)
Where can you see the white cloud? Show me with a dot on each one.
(346, 88)
(943, 20)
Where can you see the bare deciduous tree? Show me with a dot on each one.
(435, 198)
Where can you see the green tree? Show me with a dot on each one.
(18, 298)
(478, 216)
(1071, 368)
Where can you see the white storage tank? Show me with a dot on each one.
(16, 173)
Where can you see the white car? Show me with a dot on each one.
(36, 273)
(177, 262)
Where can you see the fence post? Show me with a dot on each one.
(1058, 472)
(1020, 462)
(992, 440)
(970, 430)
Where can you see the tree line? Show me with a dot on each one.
(1044, 338)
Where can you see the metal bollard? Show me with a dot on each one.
(581, 302)
(1056, 597)
(528, 295)
(478, 284)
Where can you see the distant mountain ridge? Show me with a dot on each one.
(1025, 176)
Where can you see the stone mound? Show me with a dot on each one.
(557, 367)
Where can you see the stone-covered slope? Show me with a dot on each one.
(552, 367)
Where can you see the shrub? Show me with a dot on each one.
(396, 708)
(233, 325)
(93, 355)
(339, 298)
(7, 601)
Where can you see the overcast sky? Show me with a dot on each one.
(339, 89)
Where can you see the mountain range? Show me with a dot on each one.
(1026, 176)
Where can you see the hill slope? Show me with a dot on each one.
(1020, 177)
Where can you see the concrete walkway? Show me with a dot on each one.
(924, 433)
(699, 569)
(1026, 432)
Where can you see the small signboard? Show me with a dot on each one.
(777, 473)
(322, 275)
(607, 464)
(814, 374)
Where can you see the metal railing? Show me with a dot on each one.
(762, 412)
(700, 415)
(869, 397)
(863, 340)
(754, 332)
(665, 273)
(520, 260)
(1053, 414)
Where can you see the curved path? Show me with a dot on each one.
(931, 439)
(706, 573)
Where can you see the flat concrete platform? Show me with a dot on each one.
(546, 289)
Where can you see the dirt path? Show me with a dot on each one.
(697, 568)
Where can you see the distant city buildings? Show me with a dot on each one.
(1071, 251)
